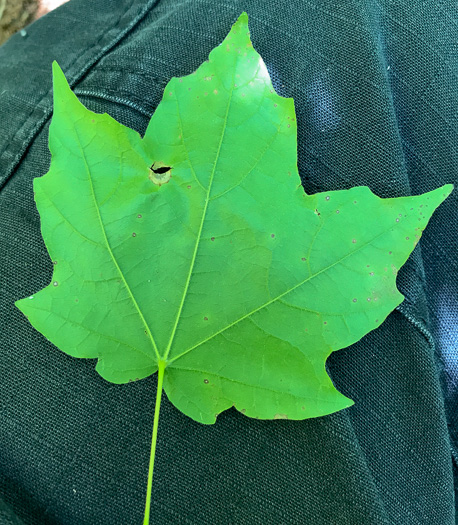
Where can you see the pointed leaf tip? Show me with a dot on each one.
(59, 82)
(440, 194)
(241, 24)
(65, 102)
(57, 73)
(448, 188)
(243, 18)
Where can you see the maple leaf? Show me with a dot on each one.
(195, 251)
(196, 247)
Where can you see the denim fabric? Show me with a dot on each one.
(374, 84)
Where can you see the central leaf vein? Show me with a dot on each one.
(199, 235)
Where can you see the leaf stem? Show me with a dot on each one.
(160, 379)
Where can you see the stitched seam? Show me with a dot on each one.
(109, 95)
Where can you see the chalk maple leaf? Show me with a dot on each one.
(195, 249)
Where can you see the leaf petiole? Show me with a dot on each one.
(160, 379)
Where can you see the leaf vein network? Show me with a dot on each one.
(310, 277)
(115, 262)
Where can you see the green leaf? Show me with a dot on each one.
(195, 248)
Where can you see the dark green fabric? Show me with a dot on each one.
(374, 84)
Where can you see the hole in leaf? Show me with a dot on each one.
(160, 173)
(160, 170)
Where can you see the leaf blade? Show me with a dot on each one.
(77, 135)
(232, 278)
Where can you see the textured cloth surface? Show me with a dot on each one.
(374, 84)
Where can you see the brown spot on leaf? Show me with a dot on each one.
(280, 416)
